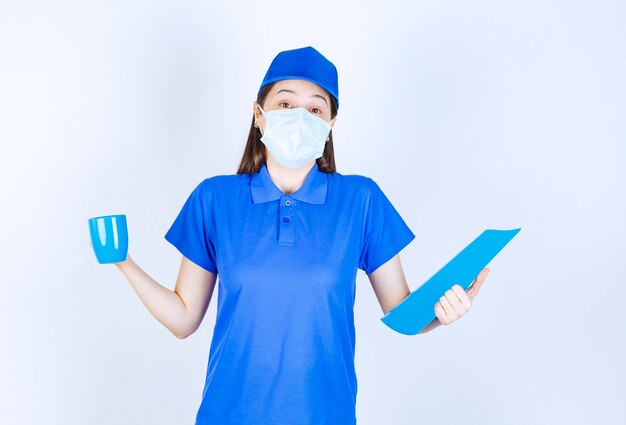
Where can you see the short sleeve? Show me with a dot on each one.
(384, 231)
(191, 233)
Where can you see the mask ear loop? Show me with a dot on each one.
(263, 112)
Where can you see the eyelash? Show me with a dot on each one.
(288, 104)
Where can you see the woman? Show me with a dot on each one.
(287, 234)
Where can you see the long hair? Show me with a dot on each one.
(254, 152)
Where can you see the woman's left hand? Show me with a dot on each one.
(456, 302)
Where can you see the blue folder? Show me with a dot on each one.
(416, 311)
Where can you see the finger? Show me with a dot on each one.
(440, 312)
(450, 312)
(464, 299)
(480, 279)
(454, 301)
(471, 291)
(484, 272)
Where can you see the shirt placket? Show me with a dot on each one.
(287, 222)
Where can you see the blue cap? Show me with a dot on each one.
(304, 63)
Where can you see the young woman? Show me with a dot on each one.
(287, 234)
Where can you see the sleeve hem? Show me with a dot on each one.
(192, 255)
(390, 253)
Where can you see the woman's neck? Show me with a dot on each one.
(288, 180)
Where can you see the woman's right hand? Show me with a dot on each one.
(119, 264)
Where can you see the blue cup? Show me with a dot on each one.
(109, 238)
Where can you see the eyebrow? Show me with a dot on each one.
(313, 95)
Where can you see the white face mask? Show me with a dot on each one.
(294, 136)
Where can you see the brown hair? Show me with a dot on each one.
(254, 152)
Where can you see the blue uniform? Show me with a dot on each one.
(283, 344)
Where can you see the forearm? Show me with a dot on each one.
(164, 304)
(432, 325)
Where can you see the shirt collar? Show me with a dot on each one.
(312, 191)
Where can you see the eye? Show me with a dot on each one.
(317, 109)
(283, 103)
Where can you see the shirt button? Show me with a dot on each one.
(286, 219)
(287, 202)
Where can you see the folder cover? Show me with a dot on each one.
(416, 311)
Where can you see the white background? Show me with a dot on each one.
(470, 115)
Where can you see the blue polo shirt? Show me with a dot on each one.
(283, 344)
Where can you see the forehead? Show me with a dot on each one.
(301, 87)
